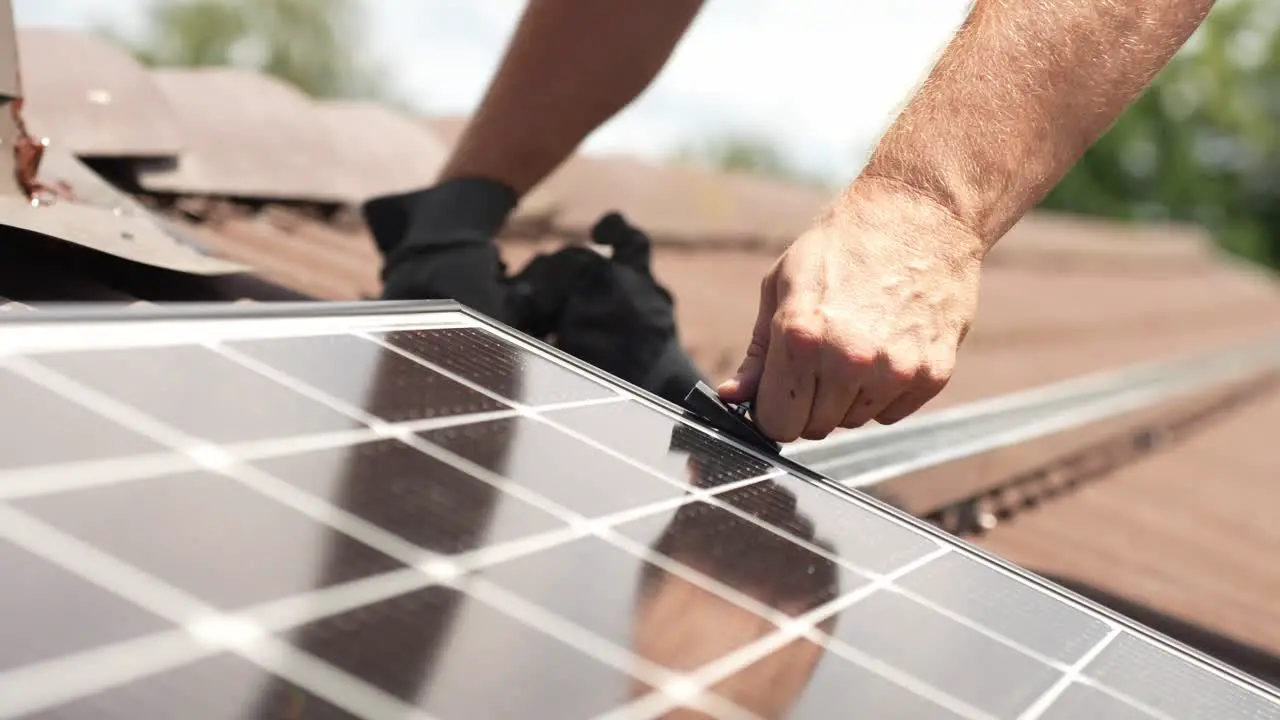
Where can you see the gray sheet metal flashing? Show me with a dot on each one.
(10, 78)
(1018, 418)
(93, 214)
(81, 208)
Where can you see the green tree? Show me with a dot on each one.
(1202, 144)
(317, 45)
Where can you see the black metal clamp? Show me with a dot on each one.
(732, 419)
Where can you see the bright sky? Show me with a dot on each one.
(820, 77)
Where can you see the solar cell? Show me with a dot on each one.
(406, 511)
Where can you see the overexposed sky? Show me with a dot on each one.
(819, 77)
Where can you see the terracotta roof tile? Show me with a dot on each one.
(384, 150)
(1190, 533)
(250, 136)
(91, 97)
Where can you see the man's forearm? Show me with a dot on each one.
(1019, 95)
(571, 66)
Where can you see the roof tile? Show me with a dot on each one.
(250, 136)
(91, 97)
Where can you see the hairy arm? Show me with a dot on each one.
(1019, 95)
(570, 67)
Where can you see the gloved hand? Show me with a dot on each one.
(438, 243)
(610, 312)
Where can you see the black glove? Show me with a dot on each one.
(438, 243)
(609, 312)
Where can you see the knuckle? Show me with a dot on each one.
(905, 369)
(936, 376)
(858, 357)
(799, 331)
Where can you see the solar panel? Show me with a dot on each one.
(403, 510)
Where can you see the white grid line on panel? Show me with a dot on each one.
(409, 436)
(344, 522)
(86, 672)
(980, 629)
(806, 544)
(597, 529)
(1124, 698)
(326, 681)
(535, 413)
(601, 529)
(466, 381)
(49, 479)
(322, 603)
(905, 680)
(141, 332)
(204, 623)
(706, 582)
(319, 510)
(216, 459)
(702, 680)
(555, 626)
(109, 407)
(588, 440)
(598, 648)
(717, 707)
(380, 426)
(1050, 696)
(972, 553)
(1211, 669)
(535, 349)
(268, 486)
(76, 675)
(538, 413)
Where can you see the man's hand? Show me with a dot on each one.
(861, 317)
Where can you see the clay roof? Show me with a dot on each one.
(1186, 538)
(385, 151)
(246, 135)
(680, 202)
(92, 98)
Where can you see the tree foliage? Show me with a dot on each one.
(317, 45)
(1202, 144)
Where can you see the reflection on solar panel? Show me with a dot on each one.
(412, 513)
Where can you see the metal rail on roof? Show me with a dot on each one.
(867, 458)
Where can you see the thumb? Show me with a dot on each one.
(742, 386)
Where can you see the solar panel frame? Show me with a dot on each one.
(314, 317)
